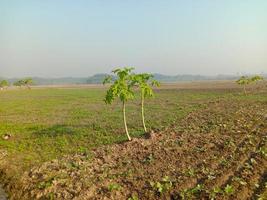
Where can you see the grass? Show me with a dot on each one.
(49, 123)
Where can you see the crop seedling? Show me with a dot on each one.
(224, 162)
(189, 193)
(190, 172)
(122, 88)
(162, 186)
(144, 82)
(262, 151)
(133, 197)
(113, 186)
(215, 191)
(149, 159)
(240, 180)
(228, 190)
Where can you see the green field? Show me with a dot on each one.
(47, 123)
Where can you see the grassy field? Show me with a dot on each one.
(47, 123)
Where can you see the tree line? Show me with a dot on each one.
(27, 82)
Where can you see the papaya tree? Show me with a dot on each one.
(122, 88)
(144, 82)
(244, 81)
(256, 79)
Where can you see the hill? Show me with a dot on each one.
(98, 78)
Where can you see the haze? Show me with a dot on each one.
(81, 38)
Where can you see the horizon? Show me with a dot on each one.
(174, 75)
(70, 39)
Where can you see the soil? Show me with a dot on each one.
(219, 152)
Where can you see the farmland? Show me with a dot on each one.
(207, 140)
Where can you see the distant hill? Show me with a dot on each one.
(188, 77)
(98, 79)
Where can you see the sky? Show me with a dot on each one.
(49, 38)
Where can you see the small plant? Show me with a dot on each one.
(162, 186)
(229, 143)
(144, 82)
(199, 149)
(215, 191)
(262, 151)
(113, 186)
(121, 88)
(197, 189)
(240, 180)
(149, 159)
(46, 184)
(189, 193)
(228, 190)
(224, 162)
(190, 172)
(179, 142)
(133, 197)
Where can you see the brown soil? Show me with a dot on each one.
(222, 146)
(194, 85)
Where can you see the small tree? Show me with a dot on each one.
(256, 79)
(144, 82)
(18, 83)
(122, 88)
(28, 82)
(3, 84)
(244, 81)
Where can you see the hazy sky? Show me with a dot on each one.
(82, 37)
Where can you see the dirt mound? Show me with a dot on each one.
(219, 152)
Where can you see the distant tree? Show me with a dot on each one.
(245, 80)
(28, 82)
(120, 88)
(256, 78)
(144, 82)
(4, 84)
(18, 83)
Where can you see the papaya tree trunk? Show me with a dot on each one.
(245, 91)
(142, 110)
(124, 120)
